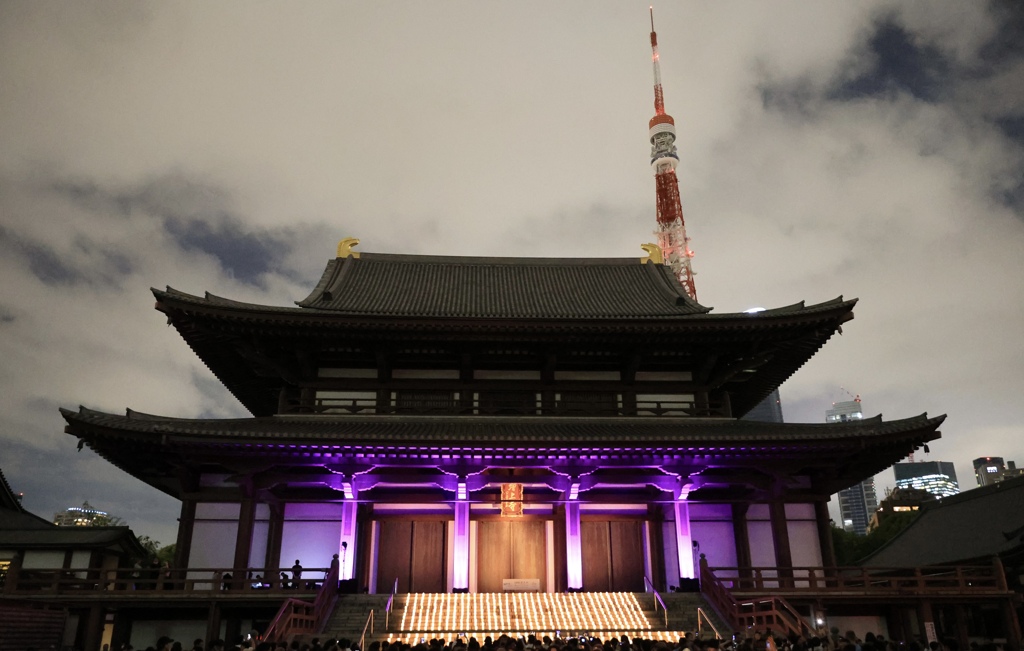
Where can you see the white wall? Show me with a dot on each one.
(312, 534)
(213, 535)
(43, 560)
(711, 527)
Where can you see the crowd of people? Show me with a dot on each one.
(825, 640)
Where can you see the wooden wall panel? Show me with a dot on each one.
(594, 538)
(529, 552)
(429, 554)
(494, 555)
(627, 556)
(394, 556)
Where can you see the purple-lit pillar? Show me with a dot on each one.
(460, 569)
(684, 541)
(573, 546)
(347, 544)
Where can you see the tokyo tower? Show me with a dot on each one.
(675, 245)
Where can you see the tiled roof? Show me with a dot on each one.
(384, 285)
(437, 286)
(12, 514)
(499, 431)
(972, 526)
(67, 537)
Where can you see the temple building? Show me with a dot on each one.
(456, 423)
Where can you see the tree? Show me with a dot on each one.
(851, 548)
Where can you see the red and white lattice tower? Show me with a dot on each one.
(675, 245)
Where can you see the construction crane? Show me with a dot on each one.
(672, 238)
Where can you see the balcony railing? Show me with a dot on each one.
(141, 581)
(510, 404)
(934, 580)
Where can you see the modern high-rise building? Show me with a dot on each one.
(858, 502)
(842, 412)
(768, 410)
(80, 516)
(992, 470)
(936, 477)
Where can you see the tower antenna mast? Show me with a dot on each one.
(672, 238)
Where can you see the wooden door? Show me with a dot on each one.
(414, 552)
(613, 555)
(510, 550)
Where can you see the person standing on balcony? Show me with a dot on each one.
(297, 574)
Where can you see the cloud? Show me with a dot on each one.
(866, 149)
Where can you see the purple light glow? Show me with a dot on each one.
(460, 570)
(574, 548)
(684, 541)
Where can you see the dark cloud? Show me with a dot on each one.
(44, 263)
(198, 216)
(900, 64)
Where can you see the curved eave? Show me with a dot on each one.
(496, 432)
(173, 302)
(211, 325)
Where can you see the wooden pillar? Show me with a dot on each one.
(741, 536)
(213, 622)
(122, 630)
(243, 541)
(780, 539)
(561, 571)
(1011, 625)
(828, 549)
(926, 616)
(961, 627)
(656, 545)
(275, 532)
(93, 635)
(186, 525)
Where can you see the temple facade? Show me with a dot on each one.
(475, 424)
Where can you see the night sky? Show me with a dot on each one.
(868, 149)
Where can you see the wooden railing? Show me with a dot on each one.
(140, 581)
(657, 598)
(763, 613)
(862, 580)
(368, 626)
(296, 616)
(390, 606)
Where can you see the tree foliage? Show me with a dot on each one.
(851, 548)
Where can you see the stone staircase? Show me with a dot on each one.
(594, 614)
(351, 614)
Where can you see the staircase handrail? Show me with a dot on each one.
(390, 606)
(771, 609)
(657, 598)
(291, 611)
(326, 598)
(702, 614)
(300, 616)
(368, 624)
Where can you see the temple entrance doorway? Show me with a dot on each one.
(508, 549)
(413, 551)
(613, 556)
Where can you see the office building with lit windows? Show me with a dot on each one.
(992, 470)
(936, 477)
(858, 502)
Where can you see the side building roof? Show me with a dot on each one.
(972, 526)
